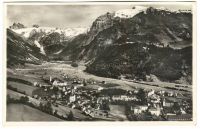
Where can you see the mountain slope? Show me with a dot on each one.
(19, 51)
(44, 37)
(147, 42)
(135, 61)
(134, 43)
(149, 27)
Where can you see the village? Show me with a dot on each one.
(98, 102)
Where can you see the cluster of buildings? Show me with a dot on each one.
(168, 105)
(76, 95)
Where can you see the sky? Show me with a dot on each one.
(65, 16)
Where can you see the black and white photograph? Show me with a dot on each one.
(99, 61)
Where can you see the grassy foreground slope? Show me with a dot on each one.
(20, 112)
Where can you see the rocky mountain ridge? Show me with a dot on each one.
(153, 41)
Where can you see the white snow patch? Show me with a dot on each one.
(129, 42)
(58, 52)
(40, 46)
(42, 50)
(33, 57)
(37, 44)
(175, 10)
(128, 13)
(68, 32)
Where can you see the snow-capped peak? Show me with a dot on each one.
(128, 13)
(175, 10)
(68, 32)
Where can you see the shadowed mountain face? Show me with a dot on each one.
(49, 40)
(135, 62)
(157, 27)
(154, 42)
(20, 51)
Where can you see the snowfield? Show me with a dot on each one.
(68, 32)
(128, 13)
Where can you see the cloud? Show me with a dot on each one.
(61, 16)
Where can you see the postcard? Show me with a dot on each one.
(87, 62)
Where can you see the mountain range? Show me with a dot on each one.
(135, 43)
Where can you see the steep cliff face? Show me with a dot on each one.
(148, 42)
(102, 22)
(158, 27)
(75, 49)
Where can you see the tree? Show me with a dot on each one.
(70, 117)
(84, 83)
(41, 107)
(24, 99)
(141, 95)
(176, 108)
(105, 106)
(55, 90)
(55, 113)
(48, 108)
(74, 64)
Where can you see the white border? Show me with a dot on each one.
(106, 124)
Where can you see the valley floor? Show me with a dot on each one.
(62, 68)
(40, 74)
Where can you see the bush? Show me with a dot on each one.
(24, 99)
(70, 117)
(74, 64)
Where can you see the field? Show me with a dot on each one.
(118, 110)
(14, 94)
(62, 110)
(29, 76)
(20, 112)
(41, 93)
(22, 87)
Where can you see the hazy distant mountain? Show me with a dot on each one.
(67, 33)
(17, 26)
(47, 38)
